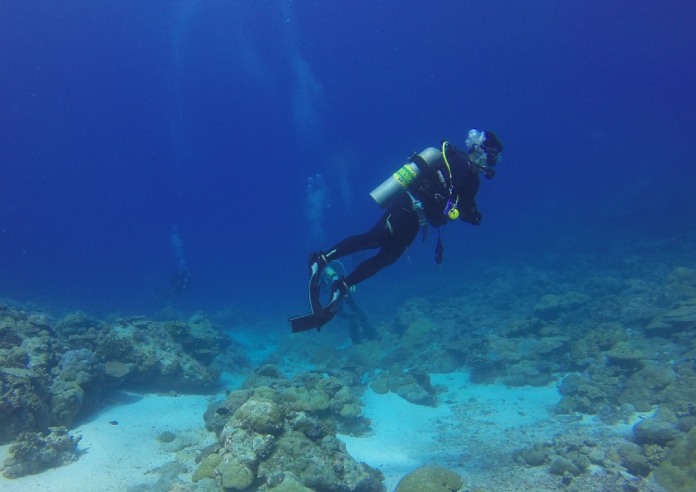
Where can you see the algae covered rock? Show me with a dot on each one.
(624, 354)
(264, 417)
(678, 319)
(235, 475)
(413, 386)
(681, 284)
(24, 403)
(308, 399)
(430, 479)
(677, 472)
(275, 441)
(655, 431)
(35, 452)
(561, 466)
(322, 464)
(207, 467)
(552, 305)
(289, 484)
(634, 459)
(245, 445)
(535, 455)
(77, 324)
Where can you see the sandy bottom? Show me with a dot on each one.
(120, 446)
(474, 431)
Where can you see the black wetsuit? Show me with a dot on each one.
(399, 225)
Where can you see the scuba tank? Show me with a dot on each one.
(405, 176)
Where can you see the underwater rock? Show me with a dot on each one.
(588, 393)
(245, 445)
(166, 437)
(77, 324)
(599, 338)
(626, 355)
(67, 399)
(289, 483)
(676, 473)
(24, 403)
(307, 424)
(430, 479)
(117, 348)
(410, 312)
(283, 438)
(528, 373)
(366, 355)
(198, 337)
(681, 284)
(71, 365)
(207, 467)
(655, 431)
(536, 455)
(413, 386)
(9, 338)
(310, 399)
(561, 466)
(633, 459)
(163, 355)
(266, 375)
(235, 476)
(117, 370)
(78, 365)
(218, 413)
(35, 452)
(571, 454)
(680, 318)
(552, 305)
(651, 385)
(319, 465)
(264, 417)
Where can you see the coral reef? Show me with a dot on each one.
(34, 452)
(614, 341)
(279, 434)
(413, 386)
(430, 479)
(677, 473)
(52, 372)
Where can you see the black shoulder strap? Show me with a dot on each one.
(419, 161)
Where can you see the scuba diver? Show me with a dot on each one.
(180, 281)
(436, 186)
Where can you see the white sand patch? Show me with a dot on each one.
(471, 430)
(403, 435)
(118, 456)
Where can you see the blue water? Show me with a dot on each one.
(123, 122)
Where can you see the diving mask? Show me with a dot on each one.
(484, 151)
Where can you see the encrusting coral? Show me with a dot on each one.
(34, 452)
(282, 436)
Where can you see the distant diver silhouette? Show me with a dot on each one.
(180, 281)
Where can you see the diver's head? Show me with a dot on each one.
(484, 150)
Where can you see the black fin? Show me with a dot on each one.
(318, 318)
